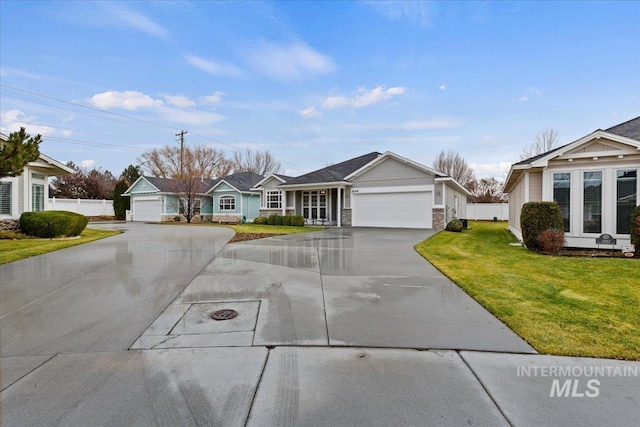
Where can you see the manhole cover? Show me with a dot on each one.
(225, 314)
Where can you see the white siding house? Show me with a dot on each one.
(593, 179)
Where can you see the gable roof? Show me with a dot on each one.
(57, 167)
(333, 173)
(397, 157)
(170, 185)
(241, 181)
(628, 129)
(625, 133)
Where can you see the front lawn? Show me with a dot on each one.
(14, 250)
(254, 231)
(564, 306)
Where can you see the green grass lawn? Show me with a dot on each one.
(254, 229)
(14, 250)
(564, 306)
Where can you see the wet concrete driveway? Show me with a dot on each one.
(340, 327)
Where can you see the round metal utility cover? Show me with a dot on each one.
(226, 314)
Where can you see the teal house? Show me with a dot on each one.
(226, 199)
(230, 199)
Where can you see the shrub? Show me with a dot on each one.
(635, 229)
(278, 220)
(121, 203)
(551, 241)
(12, 235)
(271, 219)
(297, 221)
(537, 217)
(454, 225)
(286, 220)
(261, 220)
(48, 224)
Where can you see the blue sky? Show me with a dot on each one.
(316, 82)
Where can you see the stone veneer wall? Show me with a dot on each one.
(438, 219)
(268, 212)
(10, 225)
(346, 217)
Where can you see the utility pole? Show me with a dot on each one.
(181, 135)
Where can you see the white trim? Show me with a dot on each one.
(397, 157)
(128, 192)
(273, 175)
(314, 185)
(448, 180)
(398, 189)
(235, 202)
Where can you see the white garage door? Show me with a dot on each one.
(147, 210)
(394, 210)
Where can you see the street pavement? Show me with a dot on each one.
(339, 327)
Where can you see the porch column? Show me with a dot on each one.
(284, 202)
(339, 222)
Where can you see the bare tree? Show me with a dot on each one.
(544, 141)
(488, 190)
(201, 160)
(452, 164)
(260, 162)
(83, 184)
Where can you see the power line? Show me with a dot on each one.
(88, 108)
(94, 144)
(75, 130)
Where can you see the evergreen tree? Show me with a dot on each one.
(17, 151)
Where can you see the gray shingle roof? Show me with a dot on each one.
(334, 173)
(628, 129)
(168, 185)
(243, 181)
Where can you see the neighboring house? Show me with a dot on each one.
(373, 190)
(225, 199)
(28, 192)
(231, 198)
(593, 179)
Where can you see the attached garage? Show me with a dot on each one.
(398, 209)
(147, 210)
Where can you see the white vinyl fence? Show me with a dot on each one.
(87, 207)
(488, 211)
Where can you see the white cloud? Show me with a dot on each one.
(442, 87)
(191, 117)
(213, 99)
(491, 170)
(487, 138)
(523, 99)
(427, 124)
(18, 119)
(67, 132)
(294, 61)
(536, 91)
(214, 68)
(179, 101)
(128, 100)
(363, 98)
(86, 164)
(310, 112)
(118, 14)
(417, 13)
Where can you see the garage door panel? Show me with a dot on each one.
(147, 210)
(394, 210)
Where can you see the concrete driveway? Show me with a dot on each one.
(341, 327)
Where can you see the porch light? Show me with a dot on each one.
(595, 157)
(323, 191)
(571, 160)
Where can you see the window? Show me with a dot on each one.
(592, 214)
(5, 198)
(626, 198)
(562, 196)
(227, 203)
(37, 197)
(184, 203)
(274, 199)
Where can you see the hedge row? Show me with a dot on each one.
(635, 229)
(275, 219)
(49, 224)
